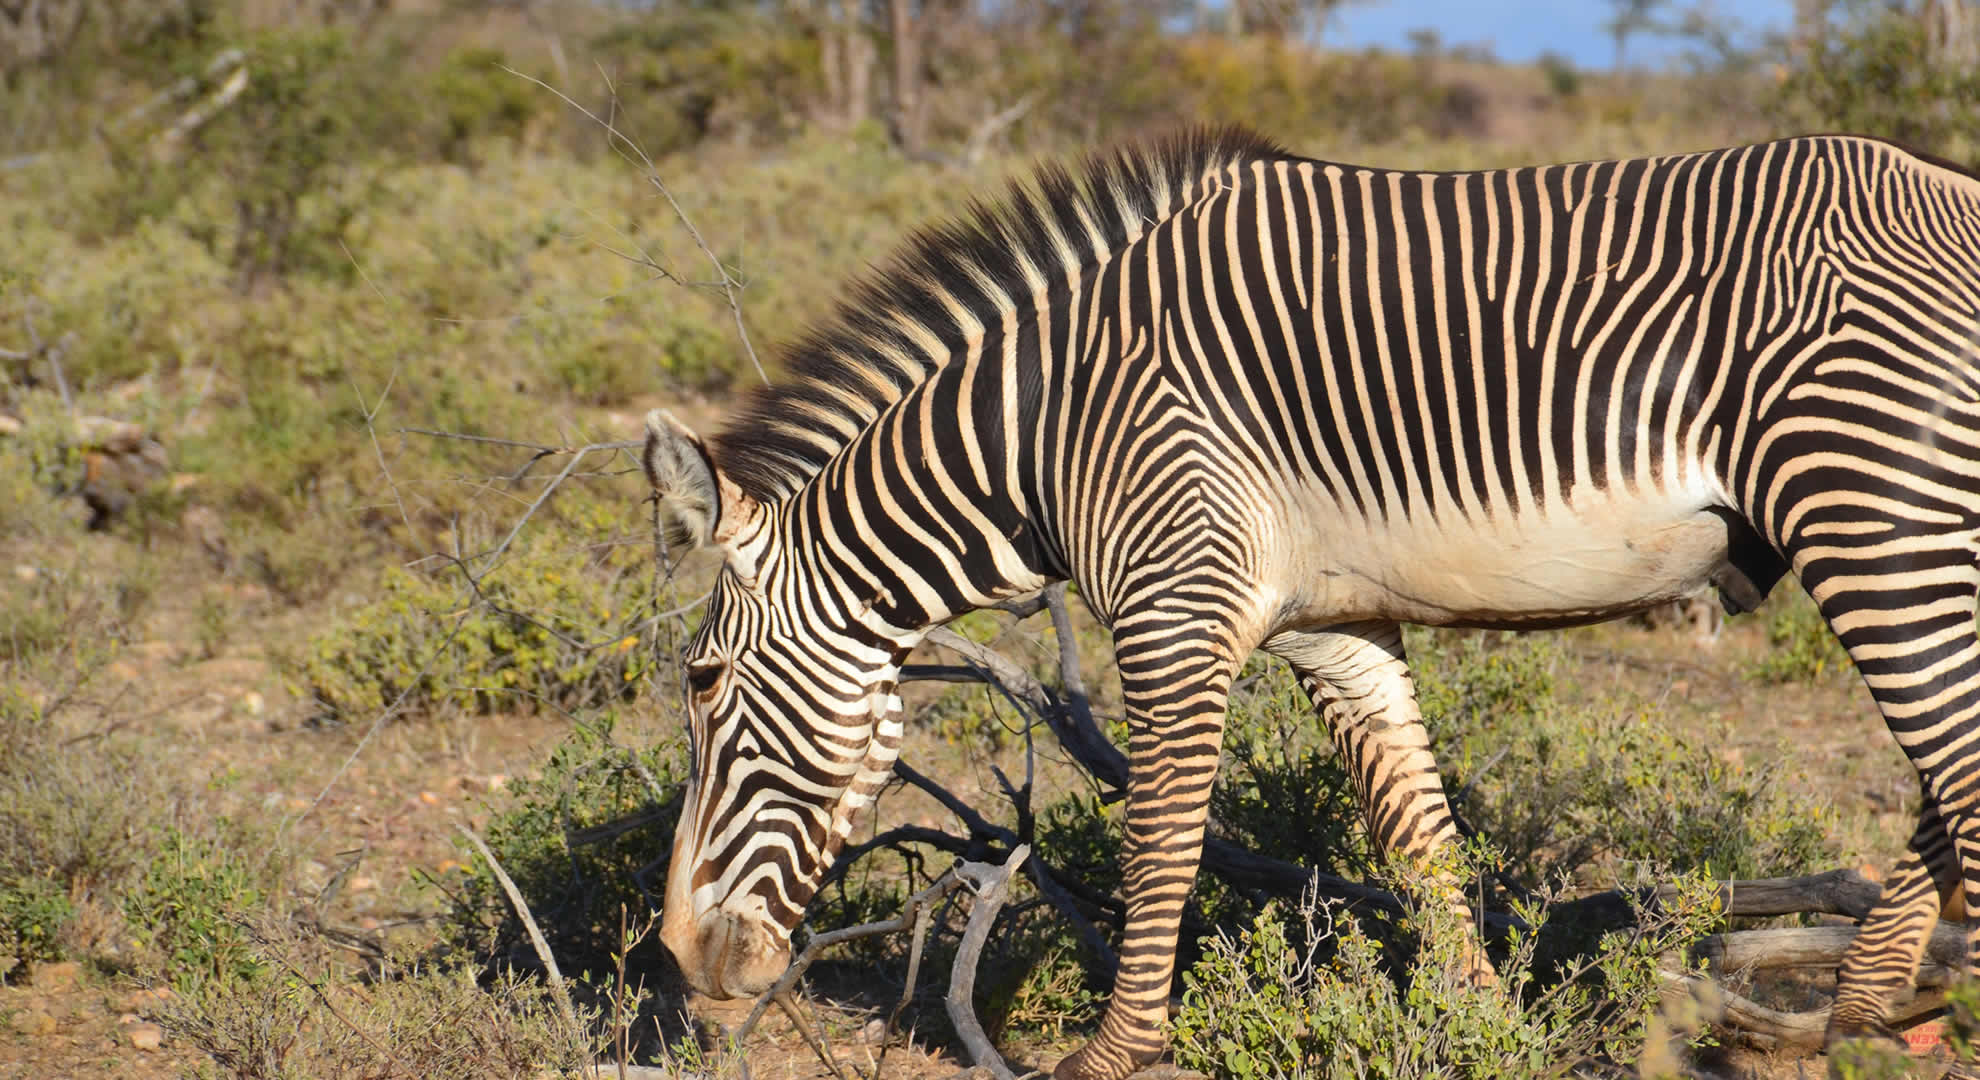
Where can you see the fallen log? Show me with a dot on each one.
(1820, 947)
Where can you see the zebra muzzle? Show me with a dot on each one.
(724, 955)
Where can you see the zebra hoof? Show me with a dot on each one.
(1870, 1031)
(1093, 1062)
(1860, 1047)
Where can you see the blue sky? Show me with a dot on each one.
(1523, 29)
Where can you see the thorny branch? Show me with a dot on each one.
(628, 147)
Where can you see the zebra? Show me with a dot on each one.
(1246, 400)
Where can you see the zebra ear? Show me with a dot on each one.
(689, 485)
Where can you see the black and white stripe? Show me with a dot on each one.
(1248, 400)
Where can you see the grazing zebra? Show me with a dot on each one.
(1247, 400)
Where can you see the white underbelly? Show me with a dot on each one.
(1603, 558)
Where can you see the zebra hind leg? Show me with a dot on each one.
(1877, 969)
(1359, 681)
(1908, 625)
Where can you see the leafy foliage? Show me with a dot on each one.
(1584, 789)
(544, 632)
(186, 907)
(1877, 72)
(33, 911)
(1803, 649)
(1313, 992)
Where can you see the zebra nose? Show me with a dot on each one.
(728, 956)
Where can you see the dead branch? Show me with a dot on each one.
(910, 912)
(181, 90)
(166, 141)
(1071, 721)
(1042, 875)
(1772, 1029)
(789, 1004)
(990, 884)
(558, 990)
(992, 126)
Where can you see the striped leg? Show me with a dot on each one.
(1908, 623)
(1358, 679)
(1878, 967)
(1176, 684)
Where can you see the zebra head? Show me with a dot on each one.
(792, 718)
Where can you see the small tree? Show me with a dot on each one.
(1632, 17)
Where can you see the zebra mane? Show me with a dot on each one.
(898, 326)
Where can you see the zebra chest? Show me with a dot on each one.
(1599, 560)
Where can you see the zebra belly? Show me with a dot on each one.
(1601, 560)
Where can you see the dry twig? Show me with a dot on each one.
(558, 990)
(910, 912)
(990, 884)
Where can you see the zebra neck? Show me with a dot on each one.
(922, 516)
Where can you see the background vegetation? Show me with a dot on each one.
(304, 311)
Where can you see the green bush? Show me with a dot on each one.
(285, 151)
(1312, 992)
(33, 911)
(187, 906)
(1583, 790)
(683, 77)
(1282, 790)
(1039, 984)
(575, 886)
(477, 100)
(549, 631)
(1875, 73)
(1801, 648)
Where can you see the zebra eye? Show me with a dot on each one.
(703, 675)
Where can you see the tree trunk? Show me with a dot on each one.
(1810, 23)
(845, 55)
(1950, 26)
(906, 115)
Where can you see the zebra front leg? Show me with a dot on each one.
(1359, 681)
(1175, 687)
(1877, 969)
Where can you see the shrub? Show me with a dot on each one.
(284, 151)
(33, 911)
(187, 905)
(321, 1027)
(1052, 990)
(476, 100)
(1581, 789)
(1311, 992)
(685, 77)
(1801, 648)
(575, 885)
(1877, 72)
(549, 630)
(1283, 792)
